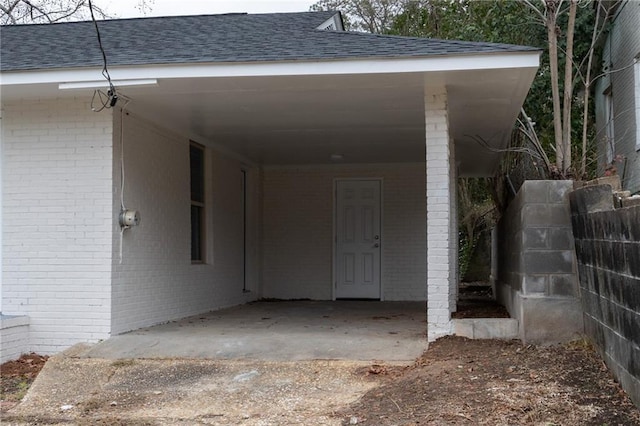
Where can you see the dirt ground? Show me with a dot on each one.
(490, 382)
(475, 300)
(480, 309)
(456, 382)
(16, 378)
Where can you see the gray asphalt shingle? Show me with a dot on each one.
(211, 38)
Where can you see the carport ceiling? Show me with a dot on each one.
(297, 119)
(371, 118)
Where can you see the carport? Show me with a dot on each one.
(297, 138)
(328, 166)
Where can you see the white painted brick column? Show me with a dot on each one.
(453, 230)
(440, 259)
(2, 156)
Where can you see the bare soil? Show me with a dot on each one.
(475, 300)
(480, 309)
(456, 382)
(16, 378)
(490, 382)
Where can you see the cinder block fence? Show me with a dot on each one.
(608, 253)
(537, 277)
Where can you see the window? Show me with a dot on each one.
(244, 176)
(196, 160)
(610, 148)
(637, 100)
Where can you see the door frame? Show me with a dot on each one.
(334, 231)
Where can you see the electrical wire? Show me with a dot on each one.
(109, 99)
(106, 101)
(122, 175)
(122, 111)
(121, 244)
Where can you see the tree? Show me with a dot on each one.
(498, 21)
(43, 11)
(50, 11)
(373, 16)
(549, 11)
(579, 46)
(603, 16)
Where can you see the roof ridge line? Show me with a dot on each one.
(136, 18)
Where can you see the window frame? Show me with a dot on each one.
(636, 73)
(609, 129)
(198, 256)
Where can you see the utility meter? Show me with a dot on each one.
(129, 218)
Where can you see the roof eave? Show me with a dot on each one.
(363, 65)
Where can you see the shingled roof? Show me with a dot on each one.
(212, 38)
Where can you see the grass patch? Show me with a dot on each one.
(123, 363)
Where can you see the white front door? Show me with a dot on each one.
(358, 239)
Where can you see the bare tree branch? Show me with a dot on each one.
(374, 16)
(49, 11)
(537, 11)
(587, 85)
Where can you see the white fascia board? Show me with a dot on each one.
(270, 69)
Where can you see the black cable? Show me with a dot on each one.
(111, 97)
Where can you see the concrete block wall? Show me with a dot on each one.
(608, 253)
(156, 281)
(57, 221)
(298, 229)
(537, 275)
(441, 216)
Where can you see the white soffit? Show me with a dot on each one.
(257, 69)
(371, 111)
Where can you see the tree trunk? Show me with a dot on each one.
(568, 89)
(551, 17)
(587, 89)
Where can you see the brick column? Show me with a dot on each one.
(453, 230)
(441, 259)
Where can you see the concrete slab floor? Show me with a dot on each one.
(392, 332)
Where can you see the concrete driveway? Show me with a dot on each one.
(265, 363)
(283, 331)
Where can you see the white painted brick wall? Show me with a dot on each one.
(298, 227)
(14, 337)
(156, 281)
(440, 258)
(57, 220)
(453, 231)
(620, 50)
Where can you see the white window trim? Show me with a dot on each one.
(609, 130)
(636, 68)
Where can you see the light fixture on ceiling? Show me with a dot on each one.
(104, 84)
(337, 157)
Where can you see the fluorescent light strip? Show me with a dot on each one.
(104, 85)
